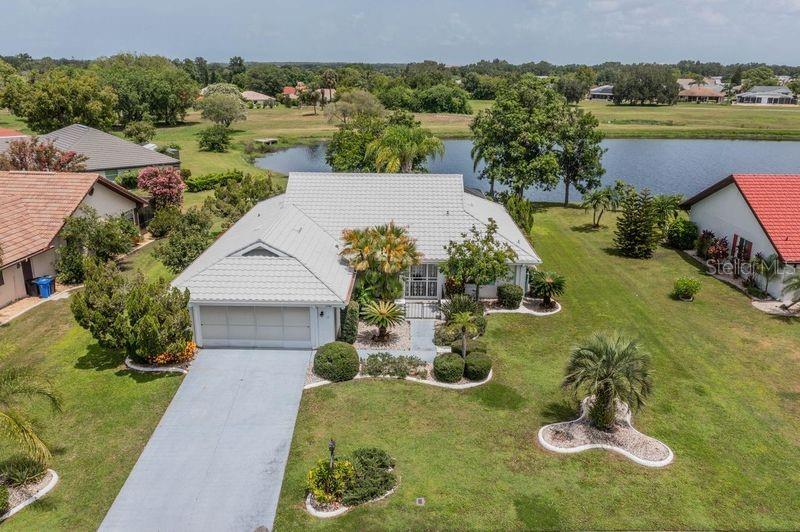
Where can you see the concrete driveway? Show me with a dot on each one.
(216, 459)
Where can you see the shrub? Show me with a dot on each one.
(385, 364)
(509, 295)
(460, 303)
(718, 250)
(185, 174)
(686, 287)
(480, 323)
(373, 477)
(382, 314)
(336, 362)
(448, 367)
(174, 357)
(443, 335)
(681, 234)
(212, 180)
(328, 485)
(704, 242)
(547, 286)
(3, 498)
(164, 184)
(473, 346)
(477, 366)
(215, 138)
(21, 469)
(350, 323)
(128, 179)
(164, 220)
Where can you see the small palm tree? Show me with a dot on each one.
(22, 385)
(610, 368)
(767, 267)
(598, 200)
(792, 286)
(463, 323)
(547, 286)
(399, 147)
(382, 314)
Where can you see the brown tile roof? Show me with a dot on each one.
(33, 206)
(6, 132)
(701, 91)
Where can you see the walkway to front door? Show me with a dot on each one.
(216, 459)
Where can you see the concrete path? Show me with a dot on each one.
(422, 335)
(216, 459)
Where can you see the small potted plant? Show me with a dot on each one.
(686, 288)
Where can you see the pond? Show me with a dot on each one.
(665, 166)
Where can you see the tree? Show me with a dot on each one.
(610, 368)
(65, 96)
(516, 137)
(32, 154)
(762, 75)
(347, 149)
(463, 324)
(353, 104)
(186, 241)
(479, 258)
(403, 148)
(443, 99)
(573, 87)
(223, 109)
(164, 184)
(666, 208)
(18, 387)
(547, 286)
(228, 89)
(140, 132)
(580, 153)
(234, 198)
(382, 314)
(598, 201)
(646, 84)
(328, 78)
(216, 138)
(311, 97)
(235, 66)
(794, 86)
(767, 267)
(637, 231)
(697, 80)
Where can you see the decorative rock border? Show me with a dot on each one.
(44, 490)
(579, 448)
(429, 382)
(130, 364)
(321, 514)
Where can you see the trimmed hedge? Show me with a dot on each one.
(210, 181)
(350, 323)
(336, 362)
(448, 368)
(477, 366)
(473, 346)
(509, 296)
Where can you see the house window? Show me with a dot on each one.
(422, 281)
(742, 248)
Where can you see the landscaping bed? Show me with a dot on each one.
(529, 305)
(397, 338)
(25, 494)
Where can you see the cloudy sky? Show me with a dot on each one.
(451, 31)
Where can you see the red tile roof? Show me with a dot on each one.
(289, 90)
(33, 206)
(5, 132)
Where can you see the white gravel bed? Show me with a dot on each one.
(398, 338)
(529, 305)
(22, 496)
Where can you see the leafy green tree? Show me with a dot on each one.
(140, 132)
(18, 387)
(347, 149)
(479, 258)
(216, 138)
(463, 324)
(235, 66)
(572, 87)
(223, 109)
(598, 200)
(517, 136)
(794, 86)
(646, 84)
(186, 241)
(609, 368)
(637, 232)
(382, 314)
(579, 151)
(222, 88)
(403, 149)
(353, 104)
(234, 198)
(397, 97)
(762, 75)
(443, 99)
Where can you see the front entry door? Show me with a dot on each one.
(422, 282)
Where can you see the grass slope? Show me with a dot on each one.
(109, 413)
(727, 400)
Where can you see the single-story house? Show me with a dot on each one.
(767, 95)
(289, 92)
(276, 278)
(603, 92)
(701, 94)
(107, 154)
(33, 207)
(758, 213)
(258, 99)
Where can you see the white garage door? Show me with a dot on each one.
(237, 326)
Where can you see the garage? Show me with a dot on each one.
(254, 326)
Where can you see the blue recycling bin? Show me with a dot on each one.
(45, 285)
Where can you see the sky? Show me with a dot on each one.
(399, 31)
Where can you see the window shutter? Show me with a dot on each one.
(735, 252)
(748, 248)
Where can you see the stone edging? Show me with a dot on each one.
(33, 498)
(130, 364)
(321, 514)
(572, 450)
(453, 386)
(524, 310)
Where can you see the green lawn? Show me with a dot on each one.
(726, 399)
(109, 413)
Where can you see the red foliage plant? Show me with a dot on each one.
(31, 154)
(164, 184)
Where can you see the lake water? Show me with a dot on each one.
(665, 166)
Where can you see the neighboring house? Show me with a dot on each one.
(33, 207)
(783, 80)
(7, 136)
(758, 213)
(107, 154)
(289, 92)
(326, 95)
(276, 278)
(701, 94)
(712, 82)
(603, 92)
(767, 95)
(258, 99)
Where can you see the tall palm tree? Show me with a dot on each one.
(358, 248)
(464, 324)
(400, 147)
(598, 200)
(610, 368)
(21, 385)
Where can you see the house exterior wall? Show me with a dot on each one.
(726, 213)
(107, 202)
(13, 287)
(517, 275)
(44, 263)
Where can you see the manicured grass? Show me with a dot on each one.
(726, 399)
(109, 413)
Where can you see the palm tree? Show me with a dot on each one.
(610, 368)
(767, 267)
(400, 147)
(358, 248)
(464, 324)
(22, 385)
(382, 314)
(792, 286)
(598, 200)
(547, 286)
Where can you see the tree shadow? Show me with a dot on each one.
(537, 513)
(141, 377)
(614, 252)
(559, 411)
(588, 228)
(499, 396)
(100, 359)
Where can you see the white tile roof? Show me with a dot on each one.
(304, 226)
